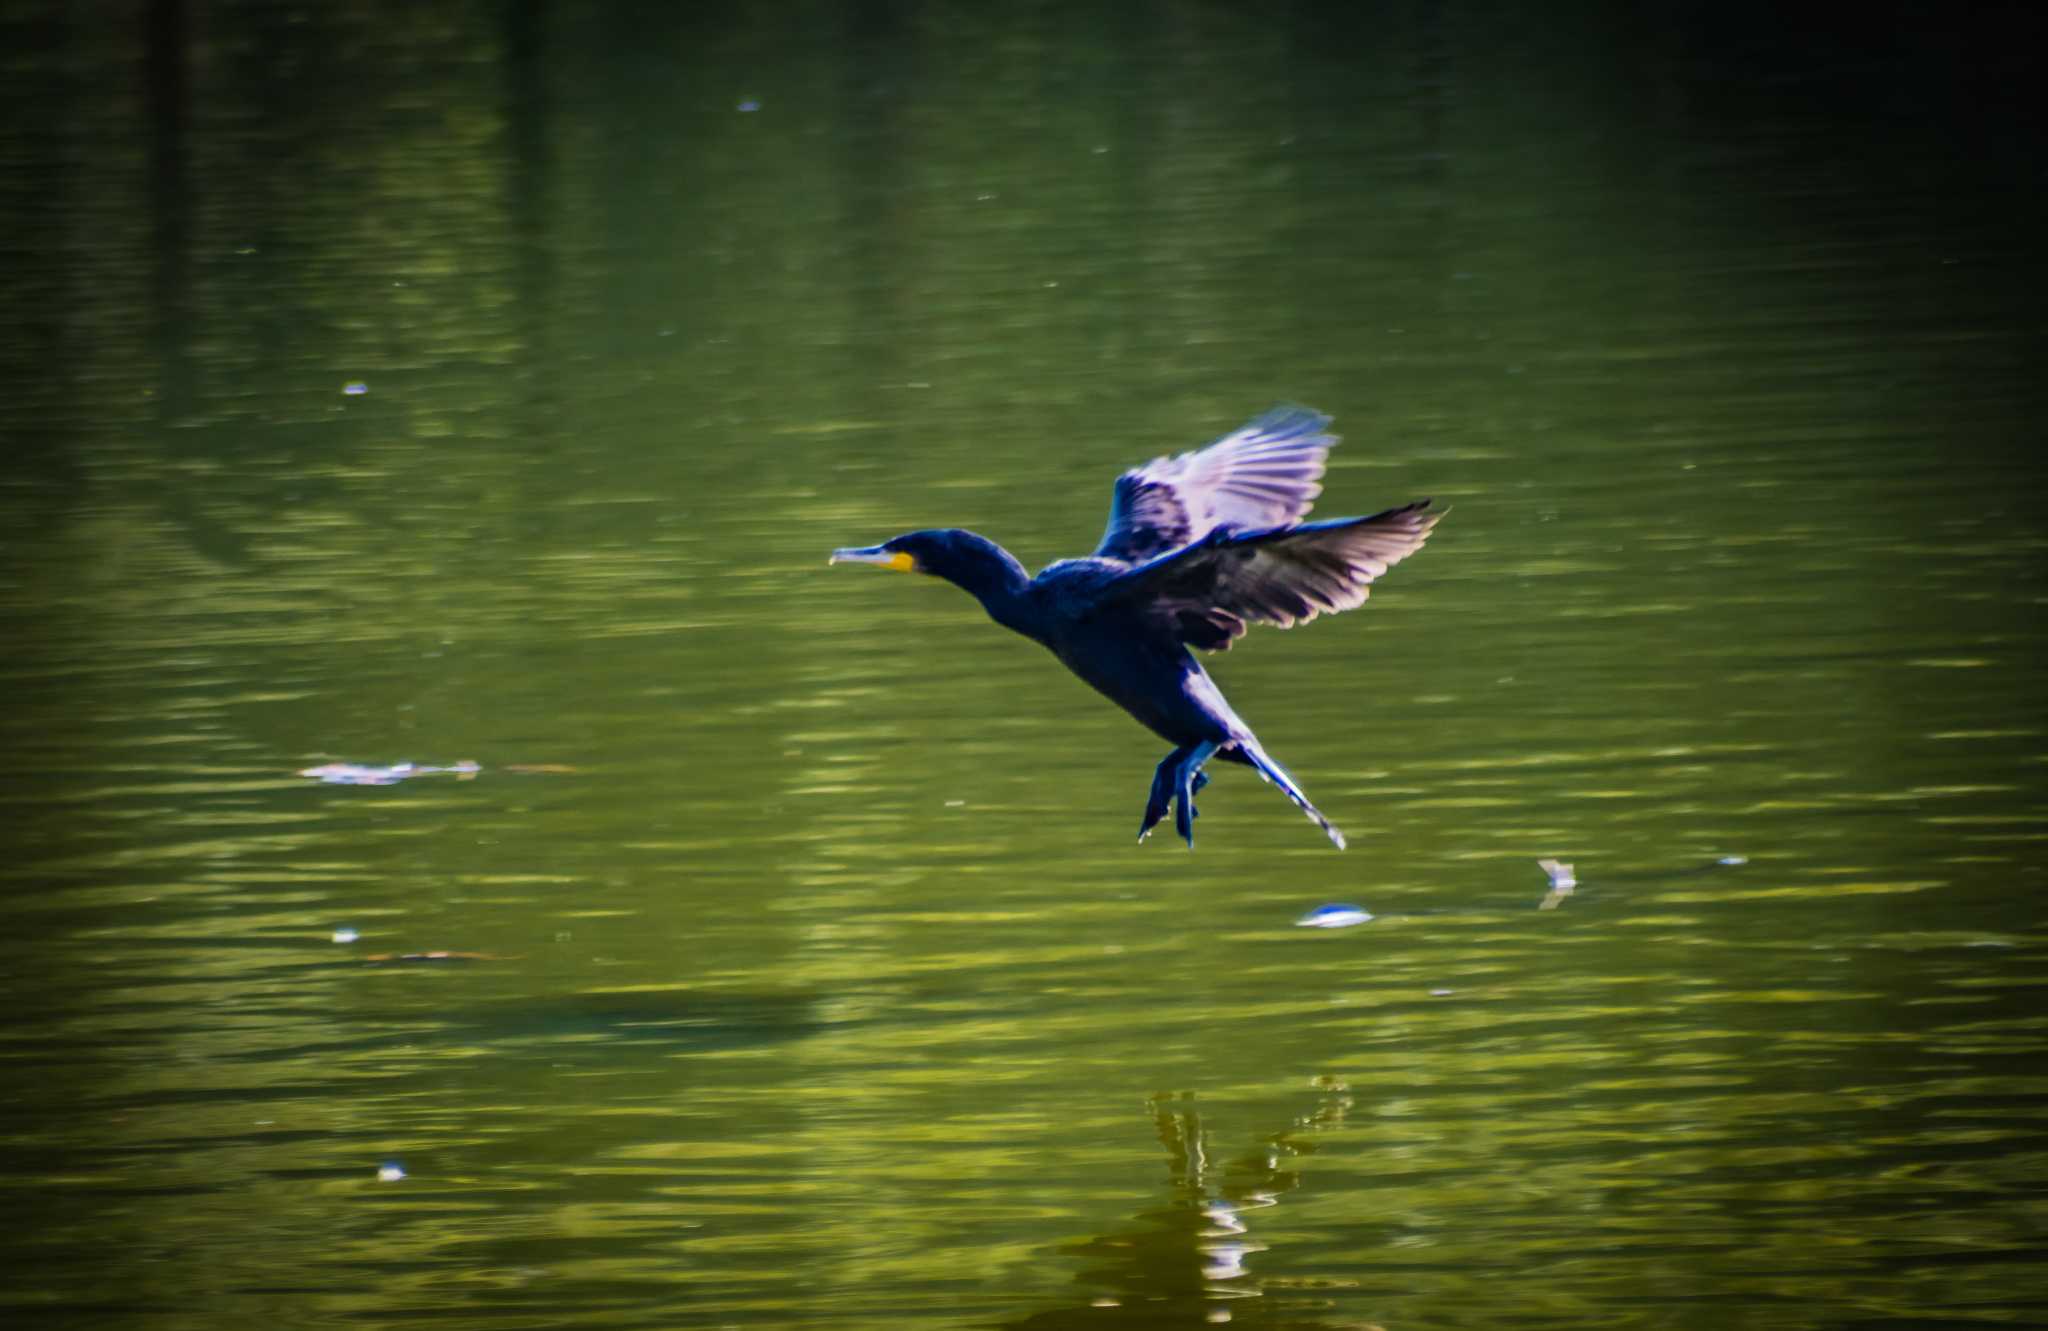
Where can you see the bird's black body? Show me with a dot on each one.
(1197, 545)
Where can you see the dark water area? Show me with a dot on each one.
(488, 382)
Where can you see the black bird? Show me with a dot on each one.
(1198, 544)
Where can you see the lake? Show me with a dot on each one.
(487, 383)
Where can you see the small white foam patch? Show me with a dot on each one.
(1336, 915)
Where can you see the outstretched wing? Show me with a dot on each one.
(1281, 575)
(1263, 474)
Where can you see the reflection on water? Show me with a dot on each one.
(1184, 1263)
(484, 384)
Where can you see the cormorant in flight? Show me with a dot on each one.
(1198, 545)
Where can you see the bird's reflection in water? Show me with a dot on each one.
(1184, 1263)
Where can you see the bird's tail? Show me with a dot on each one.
(1277, 774)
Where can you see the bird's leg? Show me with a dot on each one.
(1163, 779)
(1188, 780)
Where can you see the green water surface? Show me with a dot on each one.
(489, 382)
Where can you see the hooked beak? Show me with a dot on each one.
(874, 554)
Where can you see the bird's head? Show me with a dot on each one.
(960, 557)
(937, 552)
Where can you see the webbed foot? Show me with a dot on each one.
(1190, 778)
(1156, 804)
(1165, 788)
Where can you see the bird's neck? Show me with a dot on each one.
(993, 577)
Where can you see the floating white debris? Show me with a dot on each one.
(1732, 860)
(356, 774)
(346, 935)
(1561, 882)
(355, 388)
(390, 1172)
(1336, 915)
(1441, 993)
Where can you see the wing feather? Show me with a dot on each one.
(1264, 474)
(1283, 575)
